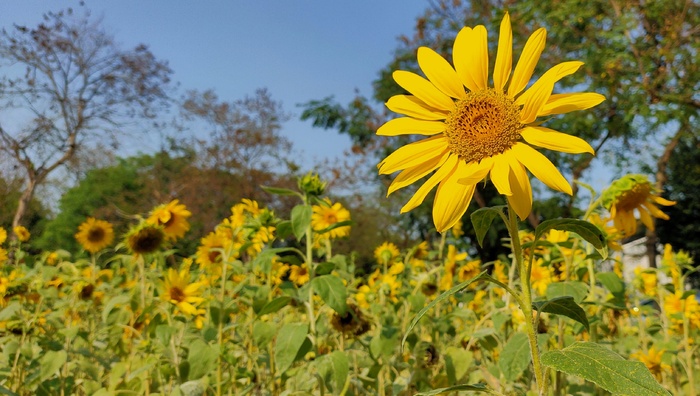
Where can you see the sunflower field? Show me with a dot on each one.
(267, 304)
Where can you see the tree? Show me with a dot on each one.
(72, 87)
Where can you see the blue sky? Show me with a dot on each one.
(299, 50)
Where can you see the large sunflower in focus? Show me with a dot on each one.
(480, 131)
(94, 235)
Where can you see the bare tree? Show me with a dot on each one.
(71, 87)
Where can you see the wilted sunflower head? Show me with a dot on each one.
(353, 323)
(145, 238)
(630, 193)
(94, 235)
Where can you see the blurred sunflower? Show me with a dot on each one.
(327, 215)
(299, 274)
(652, 359)
(94, 235)
(21, 233)
(386, 253)
(480, 130)
(172, 217)
(630, 193)
(209, 250)
(145, 238)
(3, 235)
(178, 290)
(540, 277)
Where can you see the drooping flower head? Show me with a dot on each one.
(327, 215)
(94, 235)
(632, 193)
(22, 233)
(482, 130)
(145, 238)
(386, 253)
(173, 217)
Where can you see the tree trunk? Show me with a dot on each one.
(23, 203)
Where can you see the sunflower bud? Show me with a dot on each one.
(311, 184)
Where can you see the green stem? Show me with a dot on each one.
(309, 267)
(525, 300)
(688, 351)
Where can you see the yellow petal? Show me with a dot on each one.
(539, 93)
(411, 175)
(414, 107)
(440, 72)
(527, 62)
(662, 201)
(463, 56)
(410, 126)
(436, 178)
(451, 200)
(423, 90)
(565, 103)
(557, 141)
(475, 172)
(655, 211)
(413, 154)
(646, 218)
(541, 167)
(504, 56)
(499, 175)
(521, 200)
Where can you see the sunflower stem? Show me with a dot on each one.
(311, 269)
(525, 299)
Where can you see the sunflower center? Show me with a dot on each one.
(633, 197)
(331, 218)
(483, 124)
(177, 294)
(96, 234)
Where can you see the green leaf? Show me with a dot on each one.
(274, 305)
(290, 338)
(609, 370)
(263, 333)
(334, 226)
(457, 363)
(50, 363)
(280, 191)
(439, 298)
(515, 357)
(11, 309)
(5, 391)
(202, 358)
(113, 302)
(614, 284)
(482, 219)
(584, 229)
(565, 306)
(332, 291)
(463, 387)
(577, 290)
(334, 369)
(324, 268)
(301, 218)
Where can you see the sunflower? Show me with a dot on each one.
(94, 235)
(210, 247)
(22, 233)
(172, 217)
(386, 253)
(299, 274)
(652, 359)
(145, 238)
(481, 130)
(630, 193)
(178, 290)
(3, 235)
(327, 215)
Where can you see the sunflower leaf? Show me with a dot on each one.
(290, 339)
(280, 191)
(332, 291)
(606, 368)
(454, 388)
(565, 306)
(439, 298)
(584, 229)
(482, 219)
(301, 219)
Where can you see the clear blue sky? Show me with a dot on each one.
(299, 50)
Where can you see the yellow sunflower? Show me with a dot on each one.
(482, 130)
(329, 214)
(94, 235)
(299, 274)
(178, 290)
(172, 217)
(22, 233)
(652, 359)
(630, 193)
(209, 250)
(3, 235)
(386, 253)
